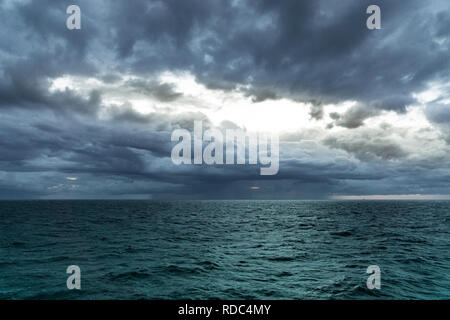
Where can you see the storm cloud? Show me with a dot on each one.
(368, 110)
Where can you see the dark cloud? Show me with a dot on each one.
(316, 111)
(307, 50)
(355, 116)
(261, 95)
(299, 48)
(438, 113)
(315, 52)
(162, 91)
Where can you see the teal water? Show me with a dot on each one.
(225, 249)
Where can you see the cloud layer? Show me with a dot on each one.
(89, 113)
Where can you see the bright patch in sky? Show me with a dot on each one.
(271, 115)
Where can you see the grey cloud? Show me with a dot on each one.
(438, 113)
(158, 121)
(355, 116)
(162, 91)
(304, 50)
(133, 160)
(367, 148)
(111, 78)
(335, 115)
(316, 111)
(261, 95)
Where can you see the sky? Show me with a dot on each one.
(88, 114)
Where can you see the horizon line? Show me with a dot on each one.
(332, 198)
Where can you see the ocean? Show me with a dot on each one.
(225, 249)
